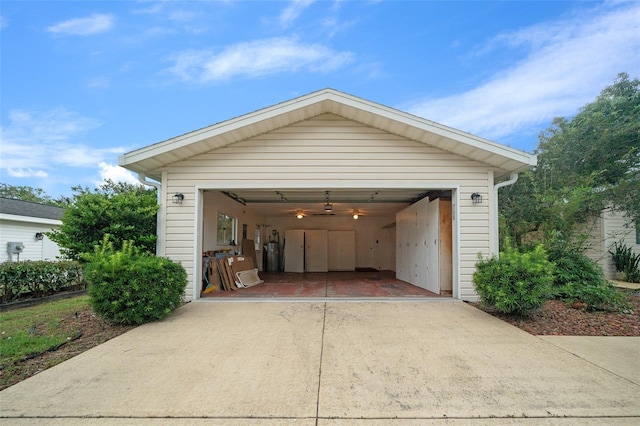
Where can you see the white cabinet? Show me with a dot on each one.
(316, 250)
(342, 250)
(305, 250)
(294, 250)
(424, 245)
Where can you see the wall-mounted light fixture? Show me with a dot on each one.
(299, 215)
(356, 214)
(178, 198)
(476, 197)
(39, 236)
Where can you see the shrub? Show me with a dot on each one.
(602, 296)
(626, 261)
(579, 278)
(515, 283)
(573, 267)
(132, 287)
(33, 279)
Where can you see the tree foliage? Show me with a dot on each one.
(585, 164)
(124, 211)
(34, 195)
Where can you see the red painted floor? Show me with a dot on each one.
(327, 284)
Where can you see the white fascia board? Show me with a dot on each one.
(217, 129)
(321, 98)
(29, 219)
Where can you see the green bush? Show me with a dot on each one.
(573, 267)
(579, 278)
(602, 297)
(132, 287)
(33, 279)
(515, 283)
(626, 261)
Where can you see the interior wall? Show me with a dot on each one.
(375, 245)
(214, 202)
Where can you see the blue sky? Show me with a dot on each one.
(85, 81)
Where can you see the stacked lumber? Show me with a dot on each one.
(232, 273)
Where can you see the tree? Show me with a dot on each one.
(28, 193)
(584, 165)
(124, 211)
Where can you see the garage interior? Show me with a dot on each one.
(327, 243)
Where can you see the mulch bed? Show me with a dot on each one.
(557, 318)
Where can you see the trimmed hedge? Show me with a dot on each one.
(33, 279)
(132, 287)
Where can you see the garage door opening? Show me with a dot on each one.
(327, 243)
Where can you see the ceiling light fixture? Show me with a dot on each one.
(327, 206)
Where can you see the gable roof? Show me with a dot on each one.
(150, 159)
(29, 209)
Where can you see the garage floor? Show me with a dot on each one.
(327, 284)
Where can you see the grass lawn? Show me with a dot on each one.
(33, 330)
(35, 338)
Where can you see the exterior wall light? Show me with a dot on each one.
(178, 198)
(356, 215)
(476, 197)
(299, 215)
(39, 236)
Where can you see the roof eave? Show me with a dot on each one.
(147, 159)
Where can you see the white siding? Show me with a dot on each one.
(331, 152)
(609, 228)
(616, 228)
(24, 232)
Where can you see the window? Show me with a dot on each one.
(226, 230)
(256, 238)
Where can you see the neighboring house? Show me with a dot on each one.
(25, 222)
(425, 194)
(609, 228)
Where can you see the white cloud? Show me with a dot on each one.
(567, 63)
(26, 173)
(94, 24)
(257, 58)
(115, 173)
(293, 11)
(33, 142)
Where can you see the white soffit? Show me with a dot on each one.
(151, 158)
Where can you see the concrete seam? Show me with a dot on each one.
(324, 322)
(589, 362)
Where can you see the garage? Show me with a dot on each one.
(333, 184)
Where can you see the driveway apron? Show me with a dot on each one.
(326, 362)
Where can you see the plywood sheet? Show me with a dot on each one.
(249, 249)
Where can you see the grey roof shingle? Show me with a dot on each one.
(27, 208)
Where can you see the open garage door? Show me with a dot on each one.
(359, 227)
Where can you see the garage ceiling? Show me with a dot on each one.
(311, 202)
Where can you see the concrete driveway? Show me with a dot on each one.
(331, 363)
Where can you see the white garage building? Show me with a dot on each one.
(426, 194)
